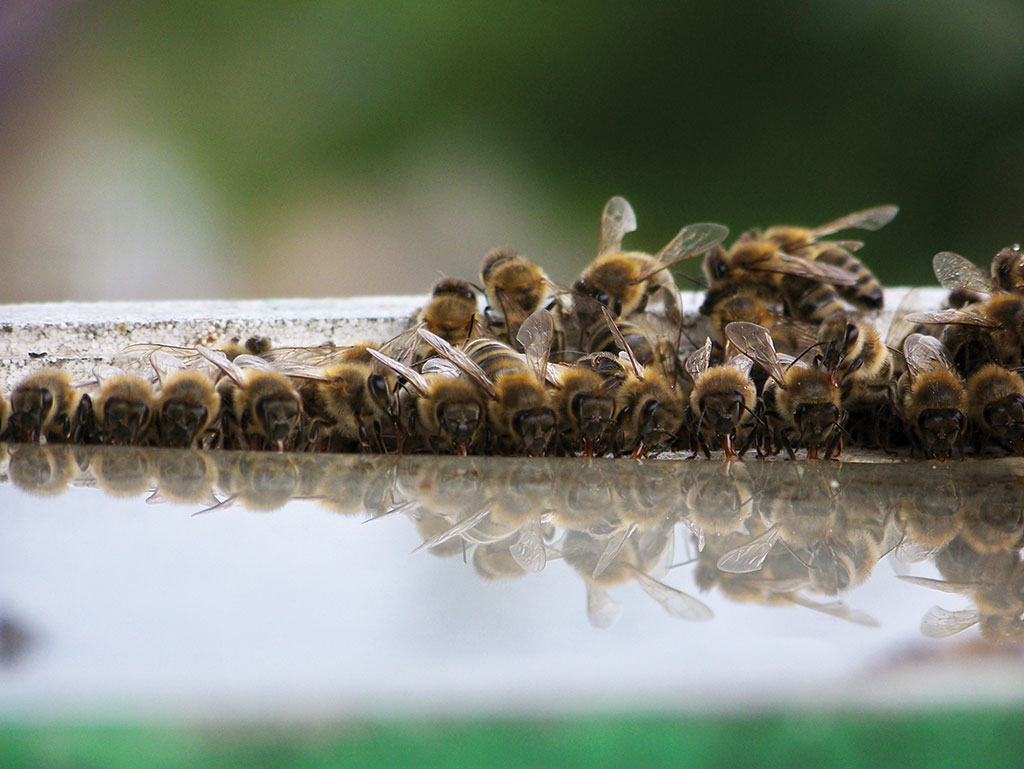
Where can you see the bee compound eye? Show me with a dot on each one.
(378, 385)
(852, 332)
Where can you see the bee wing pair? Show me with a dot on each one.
(955, 273)
(699, 361)
(755, 342)
(618, 220)
(926, 353)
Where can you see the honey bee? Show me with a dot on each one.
(930, 397)
(187, 405)
(801, 401)
(995, 406)
(261, 408)
(651, 411)
(585, 408)
(722, 401)
(718, 501)
(121, 412)
(347, 394)
(855, 354)
(260, 481)
(439, 408)
(792, 263)
(43, 406)
(1008, 269)
(989, 332)
(625, 281)
(735, 303)
(519, 413)
(451, 312)
(654, 342)
(515, 288)
(184, 477)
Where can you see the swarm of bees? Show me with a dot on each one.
(792, 361)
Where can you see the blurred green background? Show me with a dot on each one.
(312, 148)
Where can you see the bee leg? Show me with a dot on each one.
(784, 440)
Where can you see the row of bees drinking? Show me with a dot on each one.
(792, 359)
(773, 534)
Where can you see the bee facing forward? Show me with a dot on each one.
(262, 408)
(43, 406)
(121, 412)
(931, 397)
(625, 281)
(722, 401)
(995, 405)
(801, 401)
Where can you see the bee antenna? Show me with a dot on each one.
(695, 281)
(793, 553)
(798, 357)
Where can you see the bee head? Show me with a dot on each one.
(534, 429)
(30, 408)
(279, 416)
(816, 422)
(124, 420)
(593, 413)
(940, 429)
(1005, 418)
(459, 420)
(180, 422)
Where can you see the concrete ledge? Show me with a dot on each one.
(78, 335)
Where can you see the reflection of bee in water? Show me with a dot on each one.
(440, 410)
(996, 590)
(43, 470)
(184, 477)
(929, 518)
(350, 485)
(122, 471)
(582, 552)
(261, 407)
(718, 501)
(260, 481)
(993, 516)
(121, 412)
(43, 405)
(515, 288)
(625, 281)
(451, 311)
(995, 406)
(801, 401)
(722, 401)
(930, 397)
(991, 331)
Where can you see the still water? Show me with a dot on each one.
(141, 583)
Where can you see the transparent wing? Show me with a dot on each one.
(806, 268)
(460, 359)
(750, 557)
(849, 245)
(620, 340)
(454, 531)
(535, 335)
(756, 343)
(221, 361)
(612, 548)
(697, 362)
(909, 551)
(945, 587)
(675, 602)
(617, 221)
(900, 327)
(870, 219)
(697, 531)
(165, 364)
(741, 362)
(438, 365)
(957, 317)
(692, 240)
(602, 610)
(403, 347)
(413, 377)
(528, 549)
(103, 372)
(926, 353)
(838, 609)
(954, 272)
(940, 623)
